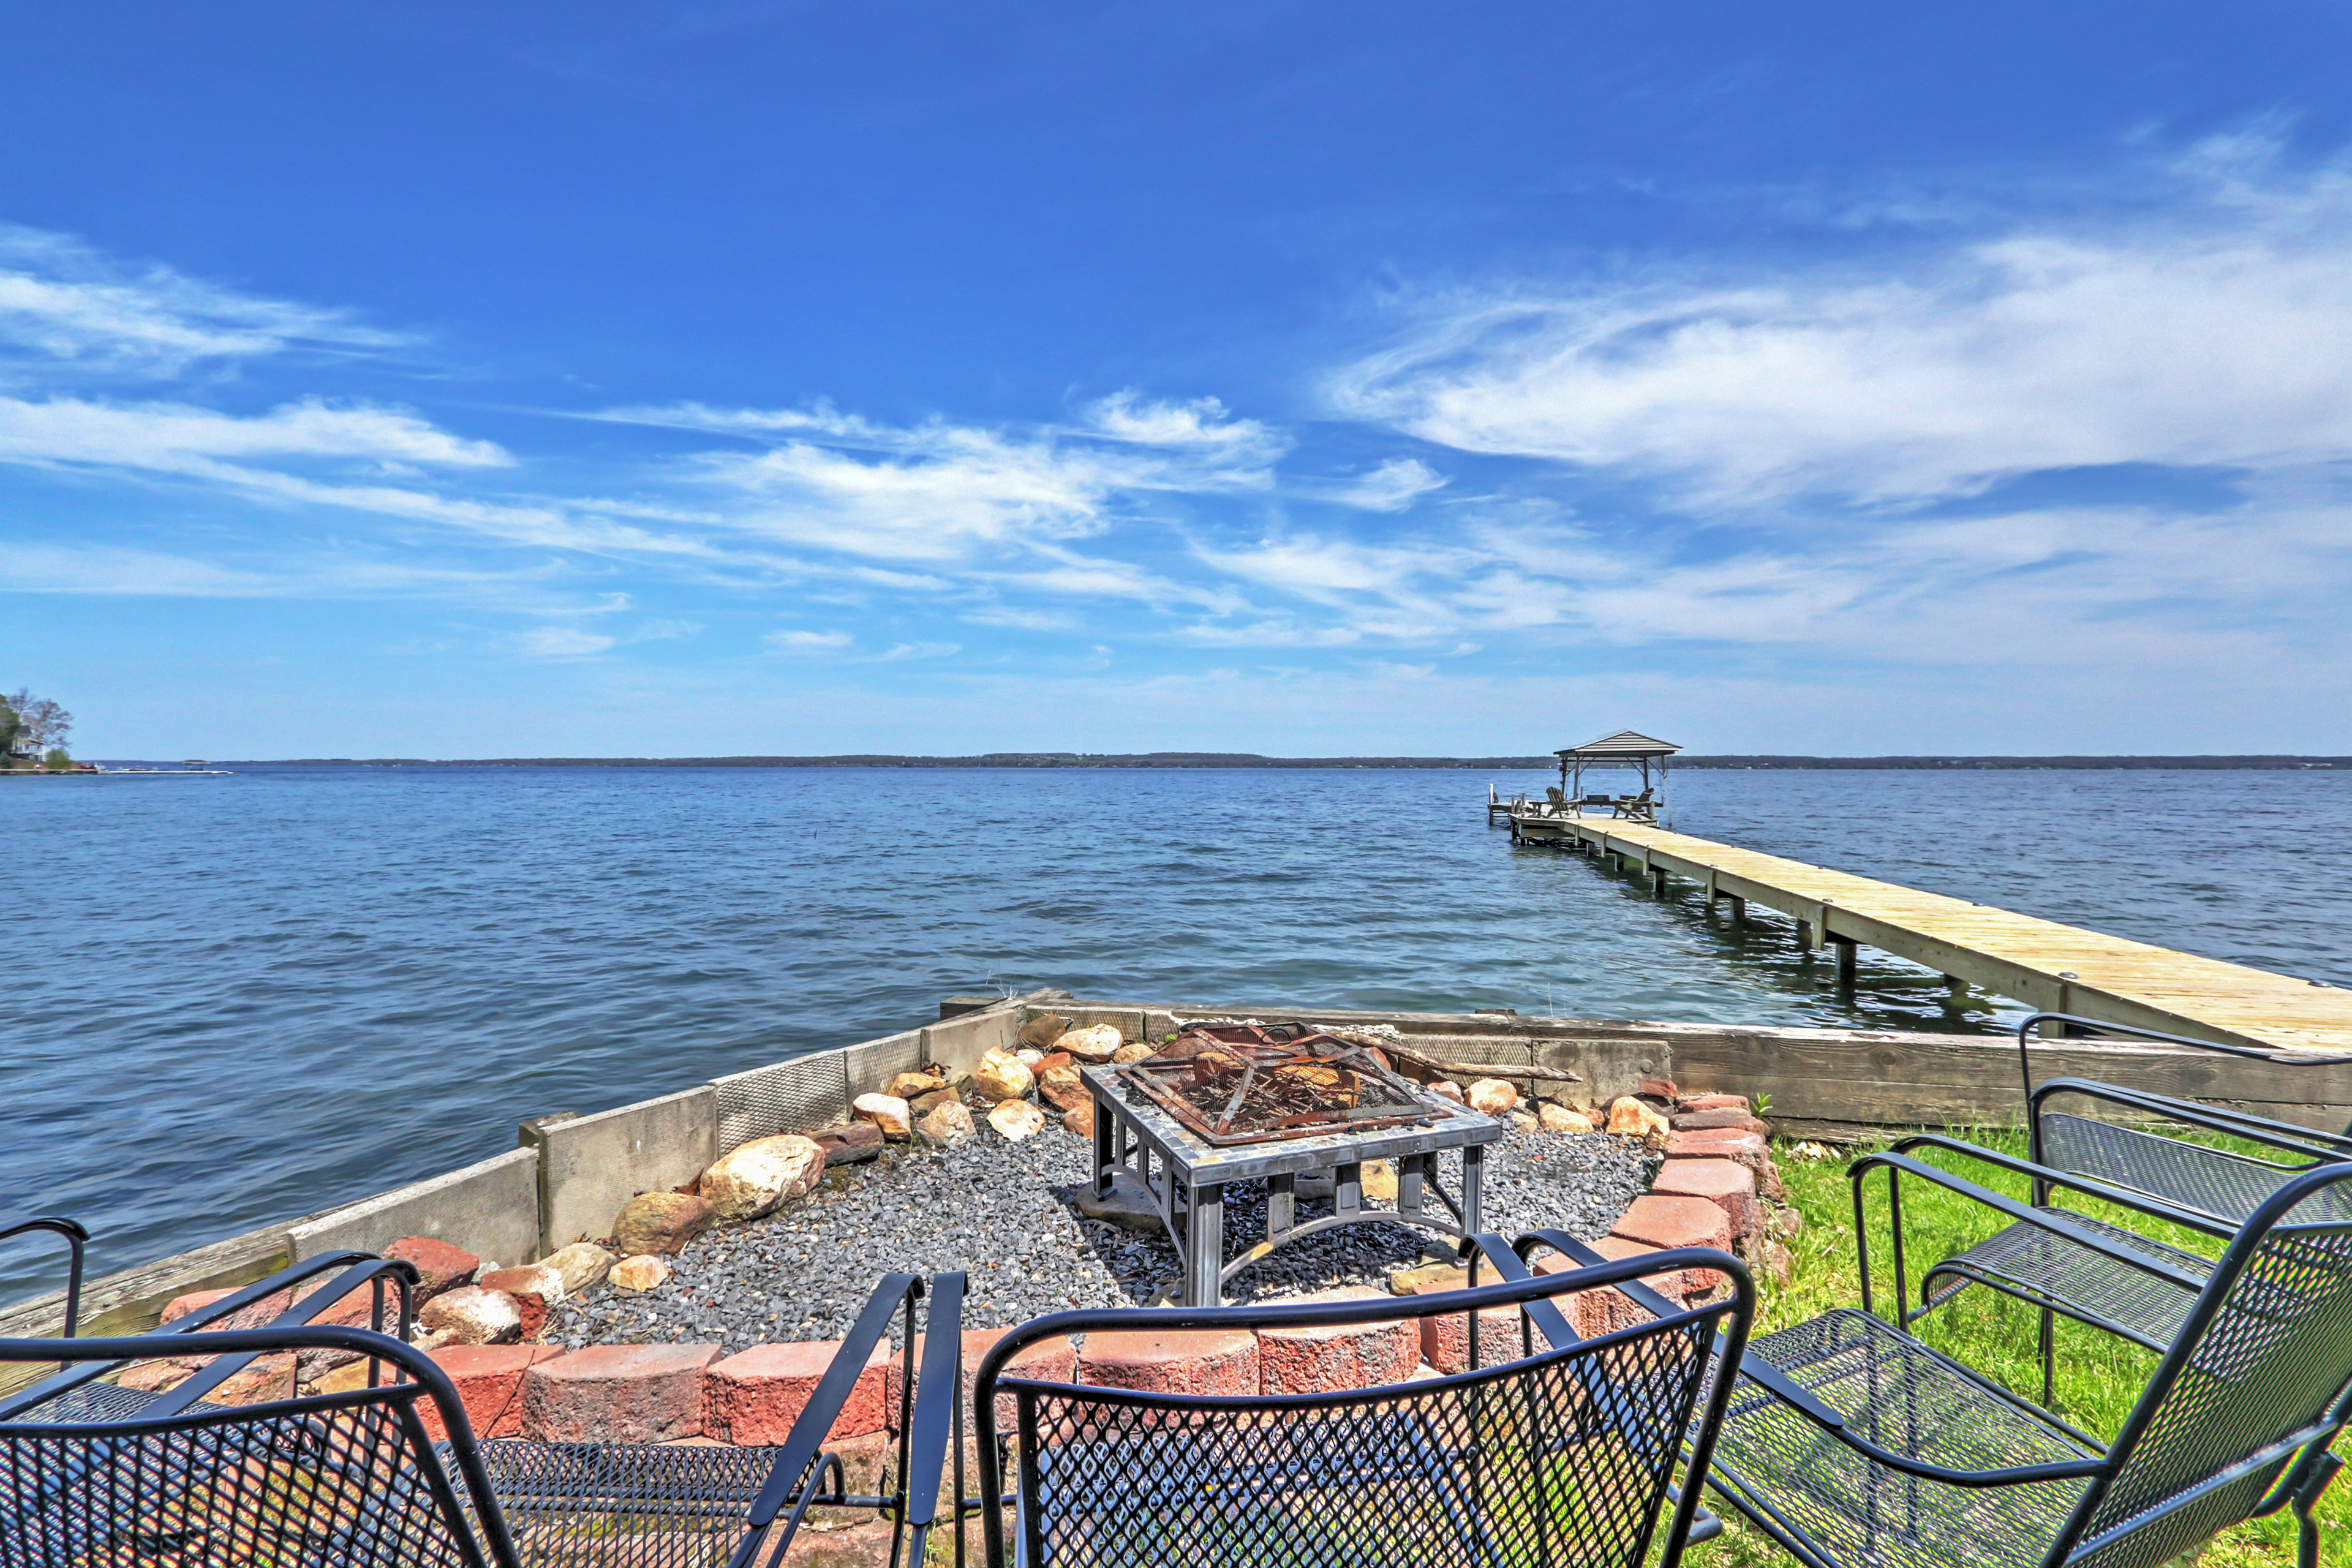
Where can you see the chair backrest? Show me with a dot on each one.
(2258, 1376)
(1557, 797)
(100, 1474)
(1566, 1454)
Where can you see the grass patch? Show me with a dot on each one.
(2099, 1376)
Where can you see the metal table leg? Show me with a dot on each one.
(1107, 1127)
(1412, 1171)
(1473, 1171)
(1281, 1204)
(1205, 1243)
(1347, 1189)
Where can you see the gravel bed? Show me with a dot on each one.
(1002, 1211)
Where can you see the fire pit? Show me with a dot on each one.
(1226, 1103)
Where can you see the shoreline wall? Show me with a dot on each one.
(570, 1174)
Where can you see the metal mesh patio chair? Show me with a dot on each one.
(1567, 1454)
(93, 1473)
(2094, 1270)
(1850, 1442)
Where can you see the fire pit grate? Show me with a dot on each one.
(1247, 1083)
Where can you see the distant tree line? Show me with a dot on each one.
(33, 730)
(1252, 760)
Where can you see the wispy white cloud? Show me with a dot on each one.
(904, 651)
(939, 491)
(174, 437)
(561, 642)
(807, 641)
(1393, 486)
(65, 303)
(2218, 333)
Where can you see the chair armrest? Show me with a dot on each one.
(2089, 1186)
(804, 1444)
(1544, 1311)
(2284, 1136)
(937, 1418)
(2051, 1220)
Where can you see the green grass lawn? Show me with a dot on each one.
(2099, 1376)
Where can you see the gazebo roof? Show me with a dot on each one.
(1625, 743)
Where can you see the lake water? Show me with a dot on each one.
(236, 1000)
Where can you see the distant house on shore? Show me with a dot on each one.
(23, 749)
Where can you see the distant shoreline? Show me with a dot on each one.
(1250, 760)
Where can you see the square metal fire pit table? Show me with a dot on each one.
(1134, 1135)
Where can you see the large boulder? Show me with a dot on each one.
(1016, 1120)
(1493, 1097)
(1632, 1118)
(664, 1222)
(1003, 1075)
(1096, 1043)
(947, 1123)
(1554, 1117)
(1042, 1030)
(1062, 1088)
(535, 1288)
(473, 1315)
(887, 1111)
(1079, 1119)
(756, 1178)
(910, 1085)
(580, 1265)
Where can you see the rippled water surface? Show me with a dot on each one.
(239, 999)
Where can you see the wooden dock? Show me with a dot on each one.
(2048, 966)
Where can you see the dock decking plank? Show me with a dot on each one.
(2043, 964)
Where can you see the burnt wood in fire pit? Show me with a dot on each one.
(1246, 1083)
(1186, 1174)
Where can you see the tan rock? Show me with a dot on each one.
(474, 1315)
(1560, 1119)
(1492, 1097)
(1016, 1120)
(1631, 1118)
(1131, 1053)
(1096, 1043)
(1521, 1122)
(1079, 1119)
(887, 1111)
(1044, 1029)
(662, 1222)
(1446, 1088)
(909, 1086)
(947, 1123)
(1003, 1075)
(1379, 1180)
(1031, 1057)
(582, 1264)
(756, 1178)
(641, 1273)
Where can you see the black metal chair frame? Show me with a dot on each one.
(500, 1481)
(2069, 1264)
(2293, 1466)
(78, 1244)
(936, 1442)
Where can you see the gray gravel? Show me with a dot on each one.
(1001, 1211)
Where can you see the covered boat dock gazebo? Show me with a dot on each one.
(1625, 748)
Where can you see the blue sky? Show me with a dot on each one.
(427, 380)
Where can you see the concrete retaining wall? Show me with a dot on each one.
(586, 1167)
(490, 1209)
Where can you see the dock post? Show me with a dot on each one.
(1845, 946)
(1657, 883)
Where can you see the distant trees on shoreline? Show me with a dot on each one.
(33, 730)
